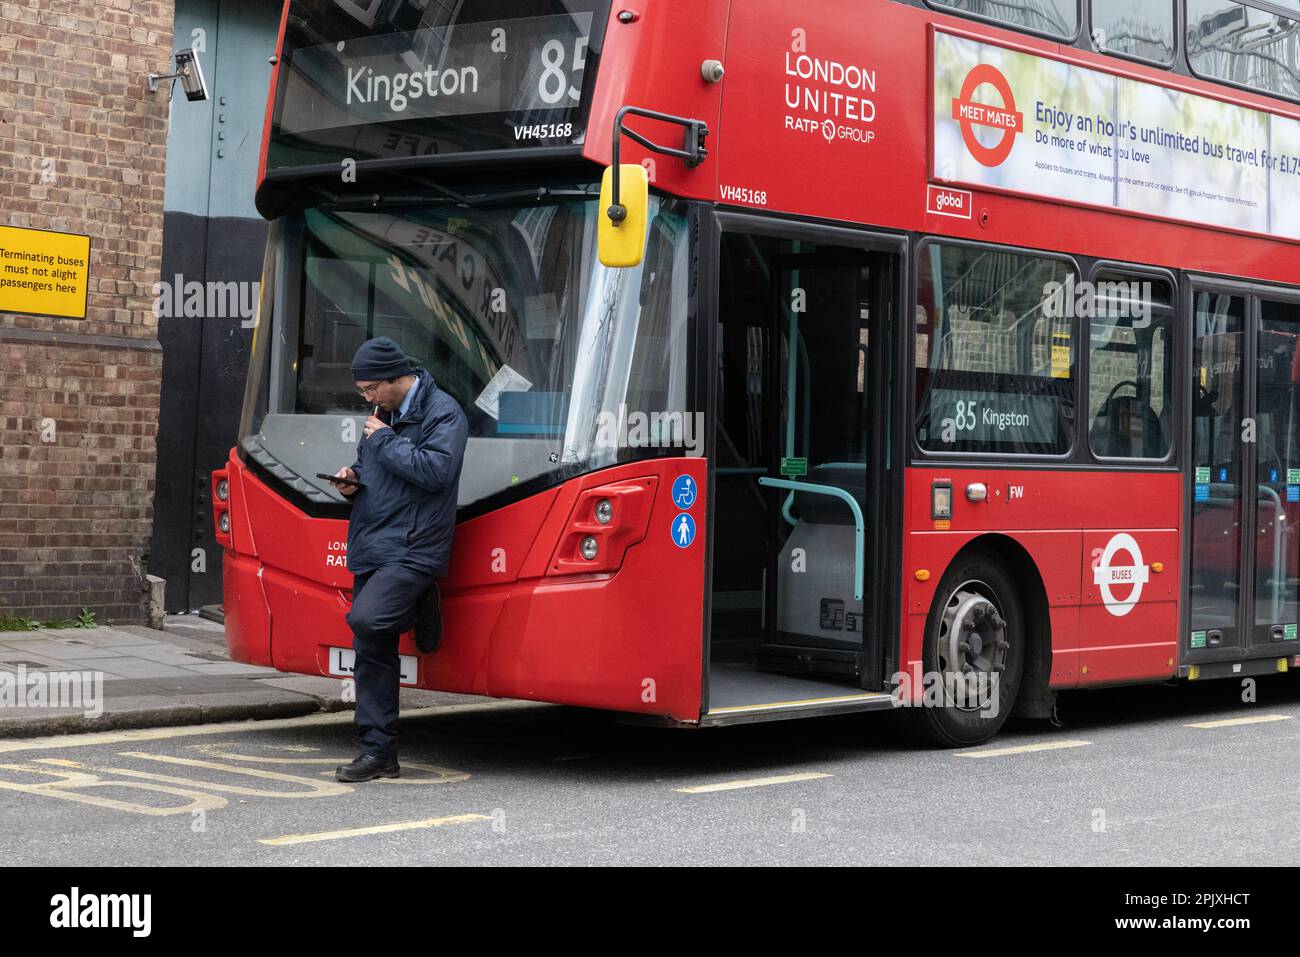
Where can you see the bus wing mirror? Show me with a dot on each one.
(625, 189)
(625, 215)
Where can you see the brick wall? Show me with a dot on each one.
(82, 150)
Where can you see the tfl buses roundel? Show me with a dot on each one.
(1120, 582)
(970, 114)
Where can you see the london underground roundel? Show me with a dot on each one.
(970, 114)
(1120, 583)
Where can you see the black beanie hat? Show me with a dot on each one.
(380, 358)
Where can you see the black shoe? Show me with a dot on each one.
(428, 623)
(367, 767)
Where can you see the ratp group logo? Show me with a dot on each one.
(970, 114)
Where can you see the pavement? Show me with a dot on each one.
(132, 676)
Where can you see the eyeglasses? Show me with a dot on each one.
(365, 391)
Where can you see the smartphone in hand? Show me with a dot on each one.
(339, 480)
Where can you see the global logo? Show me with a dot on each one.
(828, 130)
(1107, 576)
(970, 114)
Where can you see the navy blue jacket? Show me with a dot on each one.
(411, 473)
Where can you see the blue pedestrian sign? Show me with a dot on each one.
(683, 530)
(684, 492)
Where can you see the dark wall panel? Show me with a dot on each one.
(205, 362)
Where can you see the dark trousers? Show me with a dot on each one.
(385, 603)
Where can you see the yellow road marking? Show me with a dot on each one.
(838, 699)
(1023, 749)
(314, 787)
(436, 775)
(1233, 722)
(131, 735)
(217, 750)
(72, 783)
(128, 736)
(76, 779)
(374, 829)
(753, 782)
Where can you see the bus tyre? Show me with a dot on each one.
(973, 654)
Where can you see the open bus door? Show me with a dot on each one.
(803, 600)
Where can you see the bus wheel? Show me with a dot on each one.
(973, 654)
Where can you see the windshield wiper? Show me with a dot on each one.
(534, 194)
(377, 200)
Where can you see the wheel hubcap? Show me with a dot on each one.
(972, 641)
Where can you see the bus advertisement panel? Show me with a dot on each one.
(1015, 121)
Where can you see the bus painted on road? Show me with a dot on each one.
(957, 367)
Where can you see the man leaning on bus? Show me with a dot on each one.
(403, 488)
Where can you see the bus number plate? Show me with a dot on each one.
(342, 661)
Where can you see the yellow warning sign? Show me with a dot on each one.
(44, 273)
(1060, 362)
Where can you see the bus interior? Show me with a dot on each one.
(794, 502)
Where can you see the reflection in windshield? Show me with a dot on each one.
(508, 309)
(1257, 48)
(1057, 17)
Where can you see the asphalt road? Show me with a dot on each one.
(1126, 779)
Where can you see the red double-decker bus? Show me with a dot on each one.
(943, 355)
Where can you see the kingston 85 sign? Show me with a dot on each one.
(397, 79)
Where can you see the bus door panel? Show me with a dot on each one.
(822, 299)
(622, 630)
(1276, 506)
(1128, 615)
(1246, 477)
(1218, 417)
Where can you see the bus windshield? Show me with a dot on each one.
(509, 310)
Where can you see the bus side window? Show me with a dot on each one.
(994, 351)
(1130, 369)
(1244, 45)
(1143, 31)
(1057, 18)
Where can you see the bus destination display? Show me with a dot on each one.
(494, 84)
(993, 420)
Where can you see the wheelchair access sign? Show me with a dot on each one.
(684, 492)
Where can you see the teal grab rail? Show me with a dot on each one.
(860, 528)
(789, 499)
(785, 508)
(790, 405)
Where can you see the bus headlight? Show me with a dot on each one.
(588, 548)
(604, 511)
(223, 489)
(223, 523)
